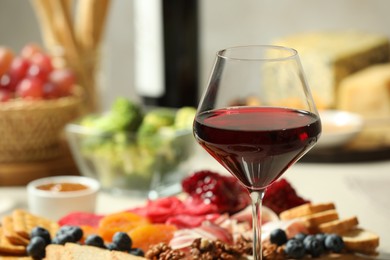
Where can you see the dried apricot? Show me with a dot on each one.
(121, 221)
(145, 236)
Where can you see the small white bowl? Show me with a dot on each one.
(53, 204)
(338, 128)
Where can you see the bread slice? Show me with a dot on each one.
(75, 251)
(305, 210)
(72, 251)
(313, 221)
(118, 255)
(319, 218)
(361, 240)
(54, 252)
(339, 226)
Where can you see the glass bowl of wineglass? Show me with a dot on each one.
(257, 118)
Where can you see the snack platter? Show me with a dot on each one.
(182, 226)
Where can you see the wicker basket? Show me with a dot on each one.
(30, 130)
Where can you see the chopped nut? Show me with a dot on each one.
(203, 249)
(244, 245)
(273, 251)
(162, 251)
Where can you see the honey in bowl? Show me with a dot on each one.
(62, 187)
(56, 196)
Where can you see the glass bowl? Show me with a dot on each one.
(150, 165)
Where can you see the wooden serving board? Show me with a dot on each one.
(21, 173)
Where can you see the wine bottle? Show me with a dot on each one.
(166, 52)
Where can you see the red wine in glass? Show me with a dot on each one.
(257, 141)
(257, 144)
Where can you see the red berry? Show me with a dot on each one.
(223, 191)
(281, 196)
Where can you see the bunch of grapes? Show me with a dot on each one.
(30, 74)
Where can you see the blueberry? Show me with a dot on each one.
(75, 231)
(122, 241)
(295, 249)
(36, 247)
(112, 246)
(300, 236)
(41, 232)
(334, 243)
(62, 239)
(95, 240)
(321, 237)
(278, 237)
(308, 238)
(313, 246)
(137, 252)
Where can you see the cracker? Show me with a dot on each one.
(55, 252)
(6, 247)
(24, 222)
(10, 234)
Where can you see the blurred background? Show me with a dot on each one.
(222, 23)
(161, 53)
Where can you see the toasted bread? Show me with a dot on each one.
(361, 240)
(339, 226)
(54, 252)
(73, 251)
(306, 210)
(313, 221)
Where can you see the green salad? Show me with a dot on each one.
(130, 147)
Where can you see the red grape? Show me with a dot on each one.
(5, 95)
(29, 50)
(64, 79)
(43, 61)
(30, 88)
(51, 90)
(8, 82)
(38, 72)
(6, 57)
(32, 75)
(19, 67)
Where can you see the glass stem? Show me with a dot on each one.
(257, 198)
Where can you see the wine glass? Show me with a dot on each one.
(257, 118)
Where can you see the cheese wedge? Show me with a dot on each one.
(329, 56)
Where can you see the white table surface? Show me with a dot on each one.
(361, 189)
